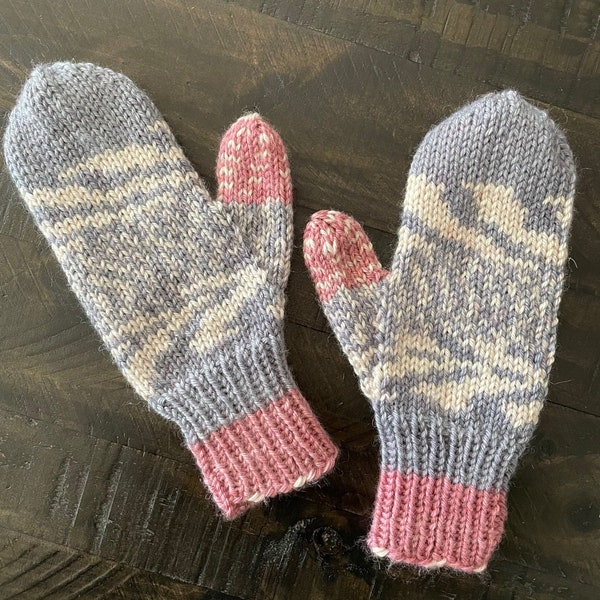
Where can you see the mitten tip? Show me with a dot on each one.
(251, 130)
(62, 78)
(324, 233)
(247, 118)
(252, 165)
(338, 254)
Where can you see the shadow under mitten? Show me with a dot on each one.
(186, 292)
(454, 345)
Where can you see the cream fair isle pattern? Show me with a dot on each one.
(186, 292)
(454, 345)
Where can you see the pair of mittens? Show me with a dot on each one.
(453, 345)
(187, 292)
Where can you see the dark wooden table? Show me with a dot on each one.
(98, 498)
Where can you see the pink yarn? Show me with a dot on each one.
(433, 522)
(270, 452)
(332, 233)
(252, 164)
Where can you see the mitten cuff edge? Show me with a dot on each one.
(275, 450)
(434, 522)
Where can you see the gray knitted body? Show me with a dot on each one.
(186, 292)
(454, 344)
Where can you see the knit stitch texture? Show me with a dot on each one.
(454, 344)
(186, 292)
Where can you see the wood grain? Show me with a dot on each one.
(98, 497)
(35, 569)
(548, 50)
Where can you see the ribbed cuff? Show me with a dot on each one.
(272, 451)
(432, 522)
(250, 430)
(441, 499)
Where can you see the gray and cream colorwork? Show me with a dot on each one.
(454, 345)
(187, 292)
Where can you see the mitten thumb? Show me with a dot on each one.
(348, 278)
(254, 179)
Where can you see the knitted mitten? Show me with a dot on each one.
(187, 292)
(454, 344)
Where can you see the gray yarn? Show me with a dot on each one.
(186, 292)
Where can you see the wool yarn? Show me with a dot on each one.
(186, 291)
(454, 344)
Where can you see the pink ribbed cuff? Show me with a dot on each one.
(272, 451)
(433, 522)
